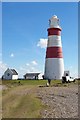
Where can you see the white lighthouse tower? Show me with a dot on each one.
(54, 64)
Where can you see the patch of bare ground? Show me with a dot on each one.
(62, 102)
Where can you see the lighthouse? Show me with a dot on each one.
(54, 64)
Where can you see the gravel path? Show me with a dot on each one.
(0, 87)
(62, 102)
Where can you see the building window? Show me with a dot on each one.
(8, 74)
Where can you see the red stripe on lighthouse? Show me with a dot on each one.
(54, 31)
(54, 52)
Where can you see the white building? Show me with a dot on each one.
(10, 74)
(67, 73)
(31, 76)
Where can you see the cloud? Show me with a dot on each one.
(27, 64)
(21, 68)
(3, 67)
(12, 55)
(42, 43)
(21, 71)
(31, 67)
(34, 63)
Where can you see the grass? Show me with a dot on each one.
(26, 106)
(0, 82)
(28, 82)
(20, 100)
(15, 83)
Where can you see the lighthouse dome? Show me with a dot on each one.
(54, 22)
(54, 16)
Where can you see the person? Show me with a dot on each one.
(49, 81)
(47, 84)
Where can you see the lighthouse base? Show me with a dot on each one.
(54, 68)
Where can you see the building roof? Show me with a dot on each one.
(13, 71)
(31, 74)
